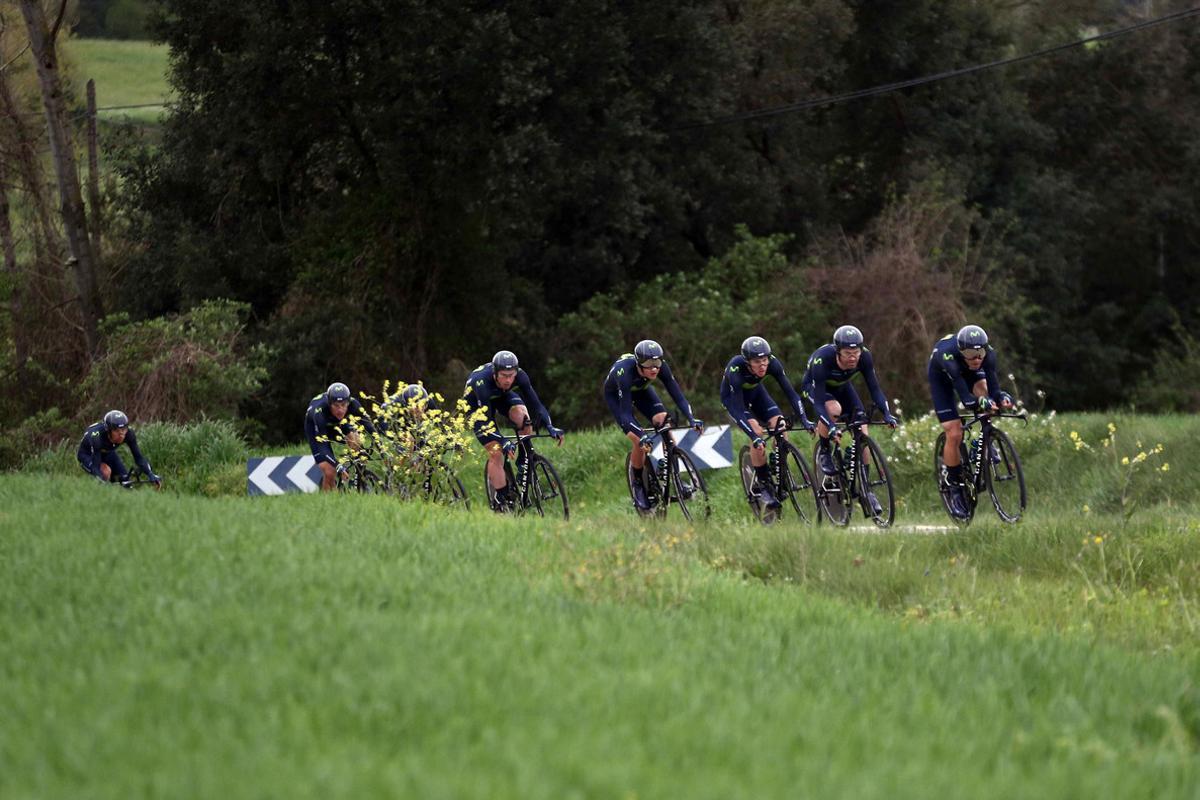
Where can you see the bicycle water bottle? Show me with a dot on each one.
(772, 458)
(973, 449)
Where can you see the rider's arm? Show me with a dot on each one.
(622, 385)
(139, 459)
(949, 365)
(819, 396)
(990, 367)
(525, 388)
(777, 371)
(359, 416)
(673, 389)
(89, 455)
(731, 398)
(866, 365)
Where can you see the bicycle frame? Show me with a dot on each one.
(983, 440)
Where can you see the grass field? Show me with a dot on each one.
(126, 73)
(172, 644)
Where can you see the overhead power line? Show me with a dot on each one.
(887, 88)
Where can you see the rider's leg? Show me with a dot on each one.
(495, 466)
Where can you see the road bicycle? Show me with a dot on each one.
(674, 480)
(861, 472)
(355, 474)
(139, 480)
(990, 463)
(791, 480)
(537, 485)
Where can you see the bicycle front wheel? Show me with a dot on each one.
(690, 492)
(546, 491)
(1003, 475)
(749, 482)
(796, 483)
(939, 448)
(833, 497)
(875, 481)
(445, 488)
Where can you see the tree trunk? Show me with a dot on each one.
(83, 258)
(9, 247)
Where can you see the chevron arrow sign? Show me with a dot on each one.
(281, 474)
(712, 449)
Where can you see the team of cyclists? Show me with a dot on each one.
(962, 367)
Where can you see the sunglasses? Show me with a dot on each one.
(651, 363)
(974, 352)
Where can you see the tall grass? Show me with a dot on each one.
(126, 73)
(326, 646)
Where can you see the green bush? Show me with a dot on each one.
(1171, 384)
(179, 368)
(700, 319)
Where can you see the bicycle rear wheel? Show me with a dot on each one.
(876, 478)
(1004, 478)
(943, 490)
(750, 483)
(796, 483)
(546, 491)
(690, 492)
(833, 500)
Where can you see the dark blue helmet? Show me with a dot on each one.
(970, 337)
(114, 420)
(505, 359)
(648, 349)
(847, 336)
(755, 347)
(413, 393)
(337, 393)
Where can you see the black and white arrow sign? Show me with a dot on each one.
(712, 449)
(280, 474)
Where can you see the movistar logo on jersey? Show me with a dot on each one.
(816, 361)
(947, 356)
(733, 369)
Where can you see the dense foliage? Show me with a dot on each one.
(401, 188)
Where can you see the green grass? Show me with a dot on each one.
(344, 646)
(126, 73)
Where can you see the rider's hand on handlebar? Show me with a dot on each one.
(647, 441)
(698, 424)
(835, 433)
(557, 433)
(890, 421)
(984, 405)
(1006, 400)
(509, 448)
(758, 443)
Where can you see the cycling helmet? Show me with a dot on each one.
(971, 336)
(755, 347)
(115, 419)
(847, 336)
(413, 392)
(337, 393)
(505, 359)
(647, 349)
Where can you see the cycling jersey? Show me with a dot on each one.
(96, 448)
(482, 392)
(949, 374)
(824, 375)
(625, 387)
(743, 393)
(320, 424)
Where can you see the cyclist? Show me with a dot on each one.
(405, 409)
(963, 364)
(502, 387)
(827, 386)
(628, 386)
(334, 416)
(98, 450)
(745, 397)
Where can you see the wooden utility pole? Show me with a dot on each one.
(83, 258)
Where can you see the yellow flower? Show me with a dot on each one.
(1165, 467)
(1125, 460)
(1098, 540)
(1074, 435)
(1112, 428)
(1086, 509)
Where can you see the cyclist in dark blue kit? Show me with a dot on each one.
(827, 386)
(98, 450)
(334, 416)
(502, 387)
(962, 364)
(627, 387)
(745, 397)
